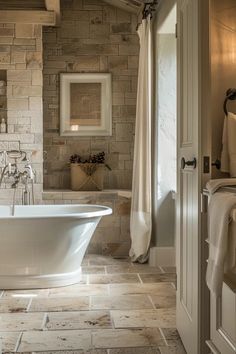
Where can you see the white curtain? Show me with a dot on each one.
(140, 223)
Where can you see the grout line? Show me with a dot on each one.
(45, 321)
(18, 342)
(160, 329)
(162, 270)
(112, 320)
(29, 304)
(141, 282)
(150, 298)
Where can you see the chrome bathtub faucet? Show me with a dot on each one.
(26, 175)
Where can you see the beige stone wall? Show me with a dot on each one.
(112, 236)
(21, 58)
(92, 37)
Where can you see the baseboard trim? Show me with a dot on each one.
(162, 256)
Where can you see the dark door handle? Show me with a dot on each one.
(192, 163)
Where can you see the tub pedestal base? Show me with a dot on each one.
(40, 282)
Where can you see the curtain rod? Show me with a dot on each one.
(149, 9)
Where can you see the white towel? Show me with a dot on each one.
(219, 210)
(214, 184)
(228, 154)
(225, 149)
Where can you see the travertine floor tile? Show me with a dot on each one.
(133, 268)
(127, 338)
(13, 305)
(165, 301)
(9, 341)
(26, 293)
(135, 289)
(129, 302)
(80, 290)
(170, 333)
(55, 340)
(144, 318)
(94, 270)
(113, 278)
(78, 320)
(157, 278)
(143, 350)
(79, 351)
(174, 347)
(59, 304)
(21, 321)
(104, 260)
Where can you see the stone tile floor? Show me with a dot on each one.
(117, 308)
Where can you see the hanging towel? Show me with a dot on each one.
(228, 154)
(214, 184)
(219, 210)
(225, 150)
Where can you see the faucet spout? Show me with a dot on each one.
(29, 171)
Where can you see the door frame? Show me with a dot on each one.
(205, 111)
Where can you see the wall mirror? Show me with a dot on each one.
(85, 104)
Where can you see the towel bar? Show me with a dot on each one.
(230, 95)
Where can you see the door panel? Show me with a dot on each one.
(188, 200)
(186, 240)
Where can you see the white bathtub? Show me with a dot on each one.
(43, 245)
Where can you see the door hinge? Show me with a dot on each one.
(176, 30)
(206, 164)
(204, 203)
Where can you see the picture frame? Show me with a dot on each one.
(85, 104)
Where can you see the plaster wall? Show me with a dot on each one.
(164, 152)
(223, 64)
(166, 140)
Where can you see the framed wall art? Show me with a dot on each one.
(85, 104)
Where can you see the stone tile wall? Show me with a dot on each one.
(112, 236)
(92, 37)
(21, 58)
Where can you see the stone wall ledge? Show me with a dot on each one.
(67, 194)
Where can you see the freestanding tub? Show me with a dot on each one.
(43, 245)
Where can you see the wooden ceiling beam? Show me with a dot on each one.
(133, 6)
(44, 18)
(54, 5)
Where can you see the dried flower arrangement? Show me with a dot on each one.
(87, 173)
(92, 159)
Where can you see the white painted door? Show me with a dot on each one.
(189, 175)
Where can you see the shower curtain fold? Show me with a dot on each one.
(140, 222)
